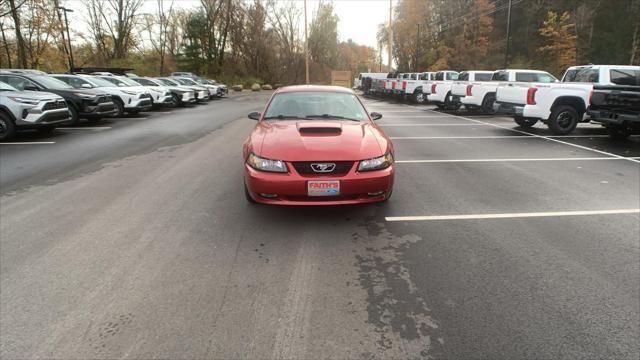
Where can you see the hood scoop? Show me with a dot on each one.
(319, 128)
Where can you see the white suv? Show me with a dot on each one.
(30, 110)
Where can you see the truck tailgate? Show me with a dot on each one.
(459, 88)
(513, 93)
(616, 98)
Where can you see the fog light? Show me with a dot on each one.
(270, 196)
(25, 113)
(377, 193)
(129, 101)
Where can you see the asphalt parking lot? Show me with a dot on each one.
(134, 240)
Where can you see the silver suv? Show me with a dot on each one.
(30, 110)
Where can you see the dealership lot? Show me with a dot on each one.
(133, 239)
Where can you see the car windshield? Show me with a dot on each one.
(316, 105)
(6, 87)
(127, 81)
(50, 83)
(97, 82)
(168, 82)
(186, 82)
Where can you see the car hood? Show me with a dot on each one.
(78, 92)
(38, 95)
(313, 140)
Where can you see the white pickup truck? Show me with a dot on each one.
(440, 92)
(414, 87)
(462, 87)
(560, 105)
(481, 95)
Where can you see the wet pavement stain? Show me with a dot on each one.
(402, 319)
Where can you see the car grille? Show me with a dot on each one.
(60, 104)
(104, 99)
(304, 167)
(145, 96)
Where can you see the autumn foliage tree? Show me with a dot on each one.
(559, 41)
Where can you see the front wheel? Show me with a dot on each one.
(119, 108)
(74, 115)
(418, 97)
(7, 127)
(525, 122)
(563, 120)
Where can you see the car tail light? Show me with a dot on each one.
(469, 90)
(590, 96)
(433, 88)
(404, 85)
(531, 96)
(393, 85)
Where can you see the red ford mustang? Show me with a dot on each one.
(317, 145)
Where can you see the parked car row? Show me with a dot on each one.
(605, 94)
(32, 99)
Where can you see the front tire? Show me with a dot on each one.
(563, 120)
(525, 122)
(119, 108)
(74, 115)
(7, 127)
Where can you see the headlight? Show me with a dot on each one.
(261, 164)
(23, 100)
(378, 163)
(129, 92)
(88, 97)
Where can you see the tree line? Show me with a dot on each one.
(231, 40)
(544, 34)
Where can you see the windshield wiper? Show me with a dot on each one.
(329, 116)
(281, 117)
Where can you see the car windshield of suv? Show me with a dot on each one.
(6, 87)
(50, 83)
(97, 82)
(127, 81)
(316, 105)
(186, 82)
(146, 82)
(169, 82)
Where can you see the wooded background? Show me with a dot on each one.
(245, 41)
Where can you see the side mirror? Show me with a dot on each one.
(86, 86)
(121, 85)
(376, 116)
(31, 88)
(254, 115)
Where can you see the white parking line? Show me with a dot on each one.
(512, 215)
(85, 128)
(550, 139)
(426, 124)
(511, 160)
(28, 143)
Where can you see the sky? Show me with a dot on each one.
(358, 18)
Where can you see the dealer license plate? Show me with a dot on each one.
(323, 188)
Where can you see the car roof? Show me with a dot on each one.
(314, 88)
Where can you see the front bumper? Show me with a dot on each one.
(188, 97)
(291, 188)
(203, 95)
(99, 110)
(139, 104)
(162, 99)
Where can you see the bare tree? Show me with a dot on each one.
(158, 39)
(22, 56)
